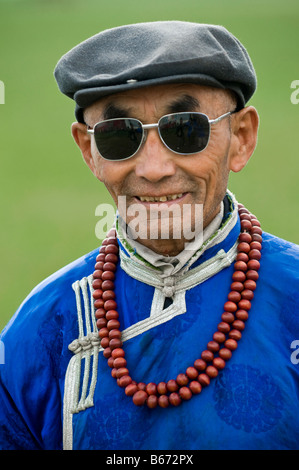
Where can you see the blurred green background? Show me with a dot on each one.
(48, 195)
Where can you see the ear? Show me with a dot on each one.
(82, 139)
(244, 128)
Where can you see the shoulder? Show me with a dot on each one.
(280, 254)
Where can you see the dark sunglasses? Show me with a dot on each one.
(182, 133)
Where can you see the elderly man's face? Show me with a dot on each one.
(157, 172)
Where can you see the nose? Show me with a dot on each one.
(154, 161)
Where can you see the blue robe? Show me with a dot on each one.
(56, 388)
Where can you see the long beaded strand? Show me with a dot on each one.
(224, 341)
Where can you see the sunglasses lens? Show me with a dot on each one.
(118, 139)
(185, 133)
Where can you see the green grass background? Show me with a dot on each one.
(48, 195)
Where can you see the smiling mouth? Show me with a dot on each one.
(166, 198)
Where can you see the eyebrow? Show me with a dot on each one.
(113, 111)
(184, 103)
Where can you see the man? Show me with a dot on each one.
(197, 321)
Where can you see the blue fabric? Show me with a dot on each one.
(252, 404)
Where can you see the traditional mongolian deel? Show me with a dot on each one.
(56, 387)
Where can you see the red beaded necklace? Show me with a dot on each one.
(219, 349)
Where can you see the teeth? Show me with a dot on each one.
(172, 197)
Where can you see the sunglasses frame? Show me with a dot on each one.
(145, 127)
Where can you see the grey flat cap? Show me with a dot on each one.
(148, 54)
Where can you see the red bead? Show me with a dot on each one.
(240, 266)
(242, 257)
(252, 275)
(207, 356)
(225, 354)
(204, 380)
(152, 401)
(174, 399)
(114, 334)
(219, 337)
(131, 389)
(107, 352)
(219, 363)
(244, 247)
(101, 323)
(213, 346)
(257, 238)
(97, 294)
(192, 373)
(249, 284)
(247, 294)
(100, 313)
(243, 305)
(108, 294)
(256, 230)
(97, 284)
(255, 222)
(99, 303)
(162, 388)
(97, 274)
(185, 393)
(230, 306)
(245, 216)
(111, 258)
(239, 325)
(242, 315)
(163, 401)
(234, 296)
(151, 388)
(118, 352)
(121, 372)
(107, 285)
(245, 237)
(108, 276)
(110, 361)
(109, 267)
(239, 276)
(140, 397)
(113, 372)
(212, 371)
(99, 266)
(231, 344)
(227, 317)
(246, 225)
(124, 381)
(110, 305)
(182, 379)
(235, 335)
(104, 342)
(103, 332)
(112, 315)
(195, 387)
(113, 324)
(102, 248)
(172, 386)
(111, 249)
(115, 343)
(101, 258)
(200, 364)
(223, 327)
(237, 286)
(254, 254)
(256, 246)
(119, 362)
(141, 386)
